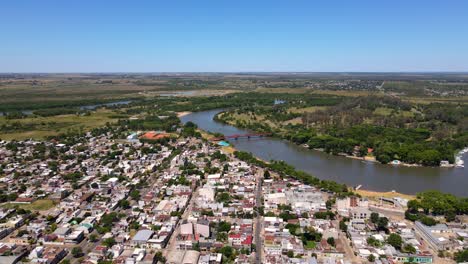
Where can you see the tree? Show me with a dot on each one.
(343, 226)
(222, 236)
(429, 221)
(93, 238)
(331, 241)
(109, 242)
(382, 224)
(371, 241)
(374, 217)
(371, 258)
(227, 251)
(224, 226)
(135, 194)
(450, 216)
(158, 257)
(292, 228)
(408, 248)
(223, 197)
(77, 252)
(266, 175)
(124, 204)
(290, 254)
(395, 240)
(461, 256)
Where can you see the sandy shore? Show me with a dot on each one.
(375, 194)
(181, 114)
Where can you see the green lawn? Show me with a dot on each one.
(310, 245)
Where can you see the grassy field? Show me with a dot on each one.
(387, 111)
(306, 109)
(310, 245)
(375, 195)
(39, 205)
(48, 126)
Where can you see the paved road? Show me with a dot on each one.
(171, 244)
(349, 252)
(258, 225)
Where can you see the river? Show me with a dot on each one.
(372, 176)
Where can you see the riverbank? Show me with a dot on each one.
(364, 193)
(344, 143)
(284, 135)
(376, 194)
(182, 114)
(371, 175)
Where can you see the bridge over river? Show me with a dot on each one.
(372, 176)
(237, 136)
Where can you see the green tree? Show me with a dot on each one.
(371, 241)
(382, 223)
(343, 226)
(374, 217)
(93, 238)
(450, 216)
(395, 240)
(223, 197)
(429, 221)
(461, 256)
(408, 248)
(77, 252)
(222, 236)
(227, 251)
(135, 194)
(124, 204)
(109, 242)
(331, 241)
(158, 257)
(224, 226)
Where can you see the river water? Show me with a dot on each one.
(372, 176)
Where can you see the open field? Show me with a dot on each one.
(39, 205)
(376, 195)
(306, 109)
(41, 127)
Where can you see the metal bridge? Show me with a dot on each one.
(237, 136)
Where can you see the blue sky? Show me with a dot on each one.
(207, 36)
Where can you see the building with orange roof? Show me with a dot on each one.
(153, 135)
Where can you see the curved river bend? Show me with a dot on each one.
(371, 176)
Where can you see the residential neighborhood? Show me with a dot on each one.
(178, 198)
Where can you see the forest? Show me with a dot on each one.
(384, 127)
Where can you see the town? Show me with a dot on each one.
(176, 197)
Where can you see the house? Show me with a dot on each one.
(428, 234)
(75, 237)
(359, 213)
(48, 255)
(141, 238)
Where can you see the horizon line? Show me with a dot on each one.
(236, 72)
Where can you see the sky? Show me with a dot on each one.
(233, 36)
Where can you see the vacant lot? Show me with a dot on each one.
(39, 205)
